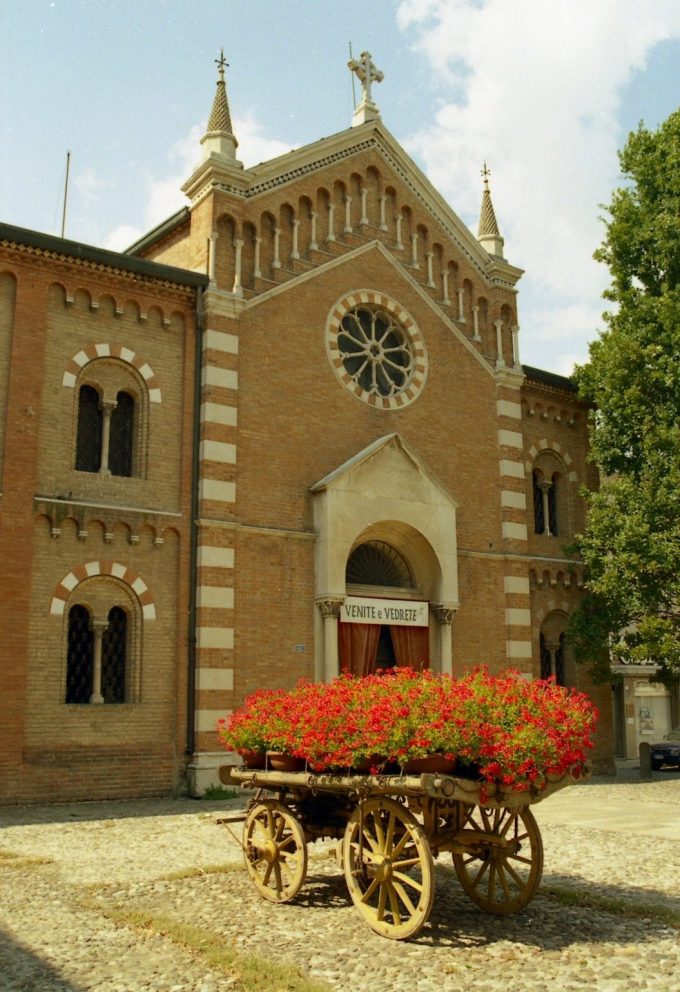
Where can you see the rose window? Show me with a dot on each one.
(375, 351)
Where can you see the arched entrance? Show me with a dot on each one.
(384, 623)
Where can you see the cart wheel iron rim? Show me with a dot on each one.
(501, 874)
(275, 851)
(388, 868)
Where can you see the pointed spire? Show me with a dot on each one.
(219, 140)
(488, 234)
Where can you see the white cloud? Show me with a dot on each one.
(533, 87)
(164, 196)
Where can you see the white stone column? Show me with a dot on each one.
(212, 256)
(364, 195)
(475, 322)
(330, 611)
(399, 220)
(445, 617)
(500, 360)
(313, 244)
(276, 264)
(430, 275)
(545, 486)
(98, 628)
(296, 235)
(348, 215)
(515, 347)
(107, 410)
(461, 305)
(382, 200)
(414, 251)
(331, 222)
(238, 255)
(257, 271)
(445, 288)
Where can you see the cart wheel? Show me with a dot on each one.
(275, 851)
(502, 879)
(388, 868)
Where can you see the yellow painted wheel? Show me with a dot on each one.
(275, 851)
(501, 877)
(388, 868)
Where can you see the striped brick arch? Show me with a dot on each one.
(105, 350)
(94, 568)
(374, 298)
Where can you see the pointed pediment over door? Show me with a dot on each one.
(386, 492)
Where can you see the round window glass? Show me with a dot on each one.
(375, 351)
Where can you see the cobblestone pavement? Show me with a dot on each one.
(614, 843)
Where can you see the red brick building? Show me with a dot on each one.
(330, 456)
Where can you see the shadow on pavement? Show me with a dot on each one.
(21, 970)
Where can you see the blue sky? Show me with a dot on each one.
(545, 91)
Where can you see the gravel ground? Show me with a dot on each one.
(121, 854)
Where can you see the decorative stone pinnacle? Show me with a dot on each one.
(219, 141)
(367, 73)
(488, 234)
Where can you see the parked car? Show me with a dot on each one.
(668, 752)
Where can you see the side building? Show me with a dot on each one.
(97, 358)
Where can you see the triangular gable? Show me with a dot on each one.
(354, 253)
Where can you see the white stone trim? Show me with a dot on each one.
(516, 501)
(206, 720)
(510, 439)
(217, 451)
(518, 649)
(517, 584)
(513, 531)
(215, 679)
(213, 557)
(215, 637)
(506, 408)
(218, 413)
(515, 470)
(215, 597)
(515, 617)
(222, 378)
(221, 341)
(220, 492)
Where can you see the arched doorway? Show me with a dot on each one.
(384, 622)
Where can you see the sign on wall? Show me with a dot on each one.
(392, 612)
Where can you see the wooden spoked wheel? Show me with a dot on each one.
(388, 868)
(275, 851)
(501, 875)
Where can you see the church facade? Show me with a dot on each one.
(286, 434)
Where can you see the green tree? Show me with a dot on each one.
(631, 546)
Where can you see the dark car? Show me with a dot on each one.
(668, 752)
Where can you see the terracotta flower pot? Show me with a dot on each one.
(434, 763)
(253, 759)
(280, 762)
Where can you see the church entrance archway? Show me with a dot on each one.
(384, 623)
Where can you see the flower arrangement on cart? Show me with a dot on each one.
(501, 729)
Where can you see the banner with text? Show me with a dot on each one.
(394, 612)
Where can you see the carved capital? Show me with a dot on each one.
(330, 607)
(444, 614)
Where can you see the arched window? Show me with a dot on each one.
(80, 656)
(553, 496)
(114, 649)
(89, 440)
(122, 435)
(552, 658)
(376, 563)
(539, 515)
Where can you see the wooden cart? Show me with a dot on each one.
(389, 828)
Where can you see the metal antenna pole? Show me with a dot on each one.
(63, 215)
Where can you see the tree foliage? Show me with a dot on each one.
(631, 546)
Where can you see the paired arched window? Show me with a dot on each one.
(552, 658)
(105, 433)
(96, 659)
(546, 494)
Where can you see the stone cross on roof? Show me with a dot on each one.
(368, 73)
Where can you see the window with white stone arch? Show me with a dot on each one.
(111, 414)
(376, 349)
